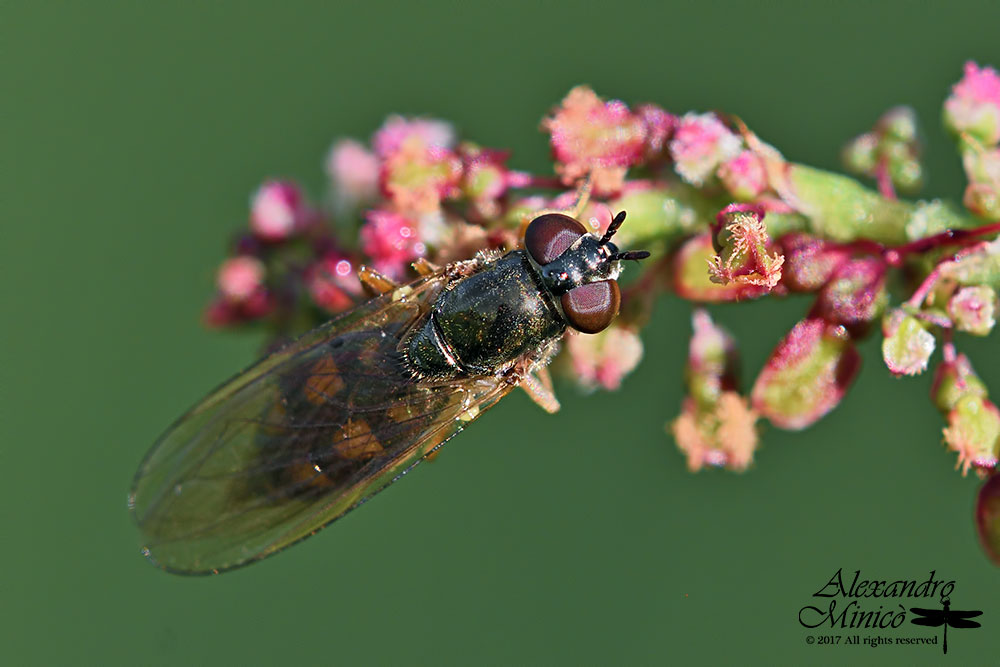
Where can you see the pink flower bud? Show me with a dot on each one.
(596, 218)
(484, 177)
(353, 169)
(277, 210)
(242, 296)
(589, 135)
(744, 176)
(723, 436)
(973, 309)
(742, 241)
(988, 516)
(973, 432)
(397, 130)
(701, 143)
(660, 127)
(417, 176)
(239, 278)
(974, 105)
(809, 262)
(392, 242)
(855, 295)
(907, 345)
(333, 283)
(807, 374)
(604, 359)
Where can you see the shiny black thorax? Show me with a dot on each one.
(485, 321)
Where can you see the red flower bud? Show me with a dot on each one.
(988, 516)
(809, 262)
(855, 295)
(333, 283)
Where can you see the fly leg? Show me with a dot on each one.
(538, 385)
(466, 267)
(582, 198)
(374, 282)
(425, 268)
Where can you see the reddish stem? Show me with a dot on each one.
(894, 255)
(948, 349)
(935, 319)
(884, 180)
(949, 236)
(921, 293)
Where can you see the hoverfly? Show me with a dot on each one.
(320, 426)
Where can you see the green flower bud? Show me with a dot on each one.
(860, 155)
(899, 124)
(807, 375)
(953, 380)
(841, 209)
(979, 266)
(934, 217)
(973, 432)
(907, 345)
(713, 361)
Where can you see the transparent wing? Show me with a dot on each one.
(299, 439)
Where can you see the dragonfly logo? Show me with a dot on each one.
(874, 611)
(945, 617)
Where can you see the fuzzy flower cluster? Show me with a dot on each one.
(889, 153)
(972, 113)
(725, 217)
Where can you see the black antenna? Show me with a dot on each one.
(631, 254)
(613, 227)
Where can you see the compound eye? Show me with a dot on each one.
(592, 307)
(549, 235)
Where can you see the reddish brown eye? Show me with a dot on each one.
(592, 307)
(549, 235)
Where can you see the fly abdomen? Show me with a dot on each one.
(429, 354)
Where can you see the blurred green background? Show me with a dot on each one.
(132, 138)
